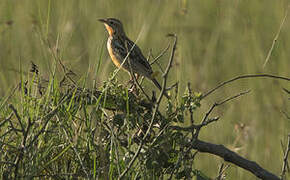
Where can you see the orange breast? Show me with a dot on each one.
(115, 59)
(109, 29)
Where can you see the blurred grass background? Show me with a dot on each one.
(217, 41)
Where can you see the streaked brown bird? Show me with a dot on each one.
(120, 46)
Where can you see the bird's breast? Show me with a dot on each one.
(112, 53)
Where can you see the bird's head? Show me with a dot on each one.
(113, 26)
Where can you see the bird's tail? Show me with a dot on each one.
(159, 87)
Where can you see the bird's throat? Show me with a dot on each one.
(109, 29)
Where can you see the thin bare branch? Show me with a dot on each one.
(169, 65)
(286, 115)
(221, 172)
(286, 90)
(285, 158)
(248, 76)
(160, 55)
(235, 96)
(190, 110)
(207, 121)
(155, 60)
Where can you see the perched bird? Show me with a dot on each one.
(119, 46)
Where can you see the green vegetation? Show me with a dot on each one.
(80, 120)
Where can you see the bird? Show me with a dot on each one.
(121, 48)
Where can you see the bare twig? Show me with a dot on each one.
(206, 121)
(243, 77)
(160, 55)
(285, 158)
(275, 39)
(165, 74)
(287, 91)
(190, 110)
(223, 102)
(172, 86)
(155, 60)
(230, 156)
(221, 172)
(286, 115)
(235, 96)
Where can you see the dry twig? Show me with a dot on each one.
(285, 158)
(243, 77)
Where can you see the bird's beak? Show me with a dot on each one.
(109, 28)
(103, 20)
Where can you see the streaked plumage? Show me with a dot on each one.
(119, 45)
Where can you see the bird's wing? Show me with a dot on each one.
(137, 56)
(120, 48)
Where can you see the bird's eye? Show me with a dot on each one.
(111, 22)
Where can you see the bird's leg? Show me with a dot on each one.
(137, 76)
(133, 86)
(131, 81)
